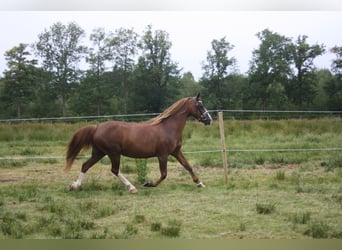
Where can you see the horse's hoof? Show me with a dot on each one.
(200, 185)
(148, 184)
(133, 190)
(72, 187)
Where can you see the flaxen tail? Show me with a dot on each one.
(82, 138)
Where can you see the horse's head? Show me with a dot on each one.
(201, 113)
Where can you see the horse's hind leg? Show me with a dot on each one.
(96, 155)
(163, 172)
(115, 159)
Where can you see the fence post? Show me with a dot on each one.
(223, 145)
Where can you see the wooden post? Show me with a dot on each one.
(223, 144)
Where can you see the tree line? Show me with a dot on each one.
(131, 73)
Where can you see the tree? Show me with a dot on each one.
(93, 88)
(270, 70)
(216, 70)
(333, 87)
(93, 96)
(61, 51)
(157, 76)
(320, 101)
(337, 63)
(44, 103)
(19, 79)
(189, 85)
(124, 47)
(302, 87)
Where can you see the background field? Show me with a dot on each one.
(269, 194)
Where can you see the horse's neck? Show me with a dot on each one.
(176, 122)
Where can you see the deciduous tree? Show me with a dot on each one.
(217, 68)
(60, 50)
(94, 88)
(124, 48)
(302, 87)
(334, 87)
(270, 70)
(157, 75)
(19, 80)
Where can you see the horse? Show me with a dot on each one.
(158, 137)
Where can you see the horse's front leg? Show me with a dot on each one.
(163, 172)
(180, 157)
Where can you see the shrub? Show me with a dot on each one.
(99, 235)
(334, 162)
(138, 218)
(105, 211)
(280, 175)
(129, 230)
(318, 229)
(155, 226)
(242, 226)
(300, 218)
(259, 160)
(172, 229)
(12, 227)
(142, 170)
(265, 208)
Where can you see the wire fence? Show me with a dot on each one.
(279, 150)
(78, 118)
(229, 114)
(278, 114)
(236, 114)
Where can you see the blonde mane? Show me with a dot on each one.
(174, 108)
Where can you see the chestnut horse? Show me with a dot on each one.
(158, 137)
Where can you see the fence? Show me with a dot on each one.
(250, 114)
(197, 152)
(236, 114)
(279, 114)
(77, 118)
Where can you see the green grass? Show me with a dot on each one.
(300, 217)
(248, 206)
(172, 229)
(268, 194)
(265, 208)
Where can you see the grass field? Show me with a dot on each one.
(268, 194)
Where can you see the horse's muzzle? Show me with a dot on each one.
(206, 118)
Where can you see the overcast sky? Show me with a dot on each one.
(191, 32)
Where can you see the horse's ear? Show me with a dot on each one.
(198, 97)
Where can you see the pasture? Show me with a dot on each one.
(276, 194)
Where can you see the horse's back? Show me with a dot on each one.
(112, 130)
(122, 127)
(130, 139)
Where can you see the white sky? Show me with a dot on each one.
(191, 32)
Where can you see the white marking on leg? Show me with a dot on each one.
(200, 185)
(76, 184)
(129, 185)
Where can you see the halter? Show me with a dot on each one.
(204, 113)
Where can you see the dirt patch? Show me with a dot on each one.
(277, 166)
(7, 180)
